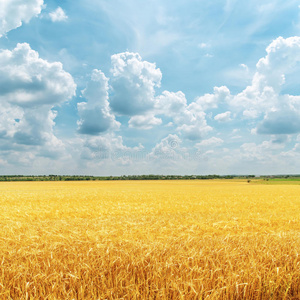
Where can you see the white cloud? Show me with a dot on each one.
(190, 119)
(35, 127)
(223, 117)
(250, 113)
(196, 128)
(259, 152)
(211, 142)
(171, 103)
(28, 80)
(58, 15)
(133, 82)
(168, 151)
(263, 97)
(144, 121)
(95, 114)
(14, 12)
(9, 117)
(282, 55)
(210, 101)
(133, 85)
(31, 87)
(109, 149)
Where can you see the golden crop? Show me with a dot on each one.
(149, 240)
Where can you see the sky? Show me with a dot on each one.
(113, 87)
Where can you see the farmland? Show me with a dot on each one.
(213, 239)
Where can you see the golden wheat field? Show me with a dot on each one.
(213, 239)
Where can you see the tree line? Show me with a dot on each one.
(135, 177)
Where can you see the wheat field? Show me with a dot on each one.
(212, 239)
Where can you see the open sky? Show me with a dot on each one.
(114, 87)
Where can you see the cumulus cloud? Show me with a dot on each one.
(196, 128)
(31, 88)
(171, 103)
(35, 128)
(132, 93)
(14, 12)
(58, 15)
(210, 101)
(190, 119)
(282, 55)
(264, 98)
(133, 82)
(95, 114)
(223, 117)
(27, 80)
(147, 121)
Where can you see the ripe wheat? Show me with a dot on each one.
(149, 240)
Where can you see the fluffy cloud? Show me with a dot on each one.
(282, 56)
(9, 117)
(171, 103)
(31, 88)
(35, 128)
(264, 97)
(190, 119)
(14, 12)
(223, 117)
(95, 115)
(133, 85)
(144, 121)
(133, 82)
(27, 80)
(58, 15)
(210, 101)
(195, 128)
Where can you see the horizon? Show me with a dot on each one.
(116, 88)
(221, 176)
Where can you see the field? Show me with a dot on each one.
(213, 239)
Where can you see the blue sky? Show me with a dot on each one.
(139, 87)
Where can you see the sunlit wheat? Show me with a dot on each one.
(149, 240)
